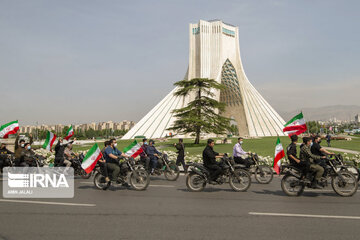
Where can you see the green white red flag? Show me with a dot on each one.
(279, 154)
(295, 126)
(91, 158)
(133, 150)
(69, 133)
(50, 139)
(8, 129)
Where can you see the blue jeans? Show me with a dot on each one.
(153, 161)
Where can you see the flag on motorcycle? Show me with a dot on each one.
(69, 133)
(91, 158)
(295, 126)
(50, 139)
(279, 154)
(8, 129)
(133, 150)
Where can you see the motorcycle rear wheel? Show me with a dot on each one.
(263, 174)
(195, 182)
(100, 183)
(241, 181)
(292, 186)
(173, 173)
(350, 183)
(139, 179)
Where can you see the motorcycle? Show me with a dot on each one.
(238, 178)
(344, 183)
(8, 160)
(263, 173)
(169, 168)
(347, 167)
(139, 178)
(78, 170)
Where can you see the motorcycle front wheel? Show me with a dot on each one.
(240, 180)
(139, 179)
(172, 173)
(263, 174)
(346, 185)
(195, 182)
(292, 185)
(100, 183)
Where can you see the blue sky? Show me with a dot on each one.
(82, 61)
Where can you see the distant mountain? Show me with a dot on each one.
(340, 112)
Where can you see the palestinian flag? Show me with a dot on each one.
(91, 158)
(50, 139)
(279, 154)
(69, 133)
(8, 129)
(295, 126)
(133, 150)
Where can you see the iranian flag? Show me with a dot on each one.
(69, 133)
(50, 139)
(8, 129)
(279, 154)
(133, 150)
(295, 126)
(91, 158)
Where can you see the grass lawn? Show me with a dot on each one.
(354, 144)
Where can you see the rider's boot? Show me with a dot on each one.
(315, 185)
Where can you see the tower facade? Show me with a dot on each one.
(215, 53)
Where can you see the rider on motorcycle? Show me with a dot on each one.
(153, 154)
(292, 156)
(143, 156)
(307, 156)
(209, 158)
(20, 150)
(112, 155)
(3, 155)
(69, 154)
(316, 149)
(240, 155)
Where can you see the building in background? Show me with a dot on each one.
(215, 53)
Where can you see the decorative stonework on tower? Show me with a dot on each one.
(215, 53)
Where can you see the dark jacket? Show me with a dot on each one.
(5, 151)
(151, 150)
(181, 149)
(307, 156)
(209, 156)
(19, 149)
(59, 153)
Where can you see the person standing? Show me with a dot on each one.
(328, 139)
(181, 154)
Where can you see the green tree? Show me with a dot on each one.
(203, 114)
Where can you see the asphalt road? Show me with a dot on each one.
(166, 210)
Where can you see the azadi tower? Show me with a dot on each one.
(215, 53)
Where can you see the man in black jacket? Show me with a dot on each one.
(181, 154)
(3, 155)
(59, 152)
(209, 158)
